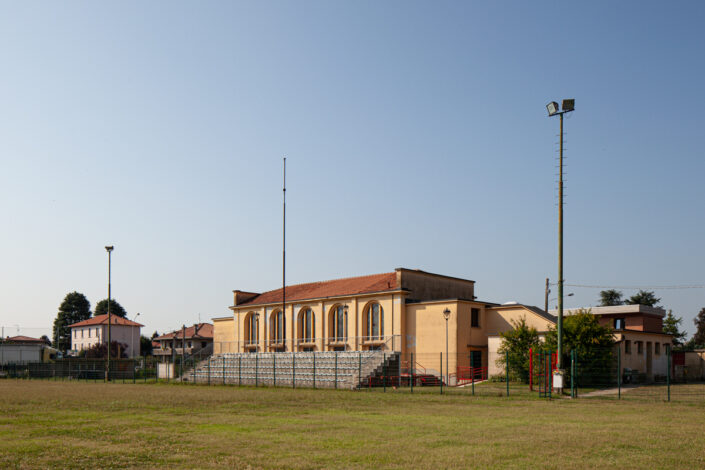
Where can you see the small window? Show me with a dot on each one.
(619, 323)
(203, 344)
(475, 318)
(657, 348)
(627, 347)
(81, 334)
(640, 347)
(89, 333)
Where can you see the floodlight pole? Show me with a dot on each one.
(568, 106)
(559, 352)
(109, 249)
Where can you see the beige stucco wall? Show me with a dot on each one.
(695, 363)
(392, 307)
(500, 318)
(224, 335)
(636, 361)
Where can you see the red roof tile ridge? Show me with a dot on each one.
(331, 280)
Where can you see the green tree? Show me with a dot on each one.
(643, 297)
(100, 351)
(610, 297)
(516, 344)
(145, 346)
(671, 327)
(592, 343)
(74, 308)
(115, 308)
(699, 336)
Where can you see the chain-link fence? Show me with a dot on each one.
(141, 369)
(596, 373)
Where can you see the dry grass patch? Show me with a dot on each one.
(82, 425)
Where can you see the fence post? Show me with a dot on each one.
(239, 371)
(274, 368)
(384, 371)
(441, 373)
(336, 370)
(411, 371)
(531, 370)
(293, 370)
(314, 370)
(550, 373)
(256, 368)
(668, 373)
(472, 375)
(222, 358)
(572, 373)
(506, 372)
(619, 372)
(359, 369)
(209, 370)
(399, 372)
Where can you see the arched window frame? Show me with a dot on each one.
(339, 323)
(375, 321)
(277, 327)
(252, 328)
(307, 325)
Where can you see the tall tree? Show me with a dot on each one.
(699, 336)
(146, 347)
(644, 297)
(115, 308)
(671, 326)
(515, 346)
(592, 343)
(73, 309)
(610, 297)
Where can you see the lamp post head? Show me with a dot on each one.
(345, 309)
(552, 108)
(446, 314)
(109, 248)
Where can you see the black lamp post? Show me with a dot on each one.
(446, 315)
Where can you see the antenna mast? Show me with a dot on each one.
(284, 252)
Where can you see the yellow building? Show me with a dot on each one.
(405, 311)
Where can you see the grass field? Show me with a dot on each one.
(47, 424)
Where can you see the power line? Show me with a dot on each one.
(590, 286)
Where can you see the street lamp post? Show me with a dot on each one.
(446, 315)
(109, 249)
(132, 338)
(552, 107)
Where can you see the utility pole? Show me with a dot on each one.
(545, 302)
(109, 249)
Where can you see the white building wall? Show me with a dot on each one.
(86, 336)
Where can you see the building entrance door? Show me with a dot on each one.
(649, 351)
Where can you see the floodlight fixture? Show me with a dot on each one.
(568, 105)
(109, 248)
(552, 108)
(446, 314)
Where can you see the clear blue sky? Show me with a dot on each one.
(415, 136)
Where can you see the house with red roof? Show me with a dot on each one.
(88, 333)
(187, 340)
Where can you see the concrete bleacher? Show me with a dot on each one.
(344, 369)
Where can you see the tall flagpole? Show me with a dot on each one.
(284, 258)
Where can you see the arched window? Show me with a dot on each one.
(307, 325)
(338, 321)
(375, 322)
(277, 328)
(251, 328)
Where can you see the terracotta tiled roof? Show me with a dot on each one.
(103, 320)
(24, 339)
(205, 330)
(337, 287)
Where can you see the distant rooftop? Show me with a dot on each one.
(617, 310)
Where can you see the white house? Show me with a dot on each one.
(87, 333)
